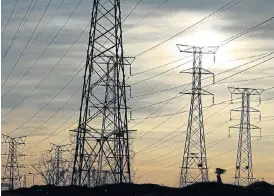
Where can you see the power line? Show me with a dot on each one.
(172, 88)
(48, 102)
(132, 10)
(19, 28)
(46, 50)
(54, 113)
(52, 134)
(44, 76)
(160, 73)
(132, 26)
(175, 61)
(216, 142)
(27, 43)
(10, 17)
(38, 35)
(147, 147)
(239, 72)
(245, 32)
(170, 38)
(28, 47)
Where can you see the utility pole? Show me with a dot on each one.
(12, 167)
(244, 170)
(102, 136)
(194, 166)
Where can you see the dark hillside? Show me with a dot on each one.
(211, 189)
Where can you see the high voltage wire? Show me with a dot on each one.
(132, 26)
(27, 43)
(170, 38)
(144, 163)
(147, 147)
(41, 81)
(9, 17)
(123, 21)
(19, 28)
(47, 49)
(242, 58)
(132, 10)
(209, 85)
(38, 35)
(54, 132)
(50, 118)
(39, 58)
(27, 47)
(168, 89)
(48, 102)
(216, 142)
(226, 41)
(180, 161)
(175, 61)
(238, 72)
(149, 78)
(54, 113)
(57, 93)
(244, 32)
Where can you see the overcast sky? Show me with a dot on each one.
(44, 69)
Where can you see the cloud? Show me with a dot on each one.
(171, 18)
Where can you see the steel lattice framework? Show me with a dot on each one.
(194, 166)
(102, 136)
(244, 170)
(11, 176)
(53, 166)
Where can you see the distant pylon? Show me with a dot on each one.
(60, 164)
(103, 147)
(53, 166)
(24, 181)
(244, 170)
(12, 167)
(194, 166)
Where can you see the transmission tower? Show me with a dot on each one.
(60, 168)
(11, 177)
(244, 170)
(53, 166)
(24, 181)
(102, 136)
(194, 166)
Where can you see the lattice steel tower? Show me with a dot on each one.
(53, 166)
(102, 136)
(60, 164)
(11, 175)
(244, 170)
(194, 166)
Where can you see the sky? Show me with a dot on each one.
(31, 104)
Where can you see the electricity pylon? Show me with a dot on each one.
(244, 170)
(12, 167)
(103, 146)
(194, 166)
(24, 181)
(53, 166)
(60, 169)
